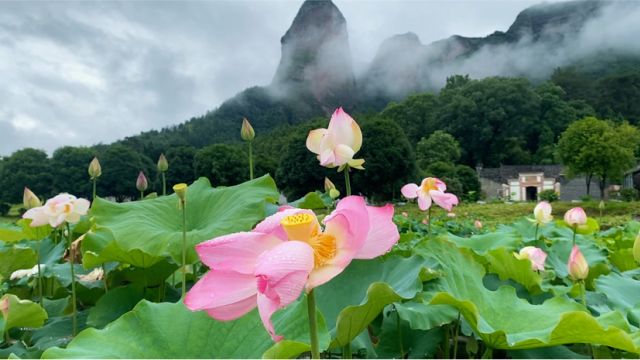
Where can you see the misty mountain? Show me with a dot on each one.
(315, 72)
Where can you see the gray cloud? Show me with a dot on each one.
(80, 73)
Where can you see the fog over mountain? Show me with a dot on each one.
(81, 73)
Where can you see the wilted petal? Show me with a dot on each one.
(424, 200)
(410, 191)
(383, 233)
(314, 140)
(236, 252)
(218, 289)
(444, 200)
(266, 308)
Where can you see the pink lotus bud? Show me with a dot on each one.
(141, 182)
(477, 224)
(163, 165)
(4, 307)
(328, 185)
(94, 169)
(246, 132)
(542, 213)
(578, 266)
(575, 217)
(425, 221)
(533, 254)
(30, 200)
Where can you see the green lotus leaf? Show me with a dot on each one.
(169, 331)
(10, 233)
(481, 244)
(313, 200)
(20, 313)
(504, 321)
(14, 258)
(422, 316)
(622, 292)
(353, 299)
(503, 263)
(143, 232)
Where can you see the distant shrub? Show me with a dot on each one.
(628, 194)
(4, 209)
(548, 195)
(586, 198)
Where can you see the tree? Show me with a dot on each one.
(27, 167)
(439, 146)
(180, 161)
(69, 169)
(223, 164)
(389, 160)
(595, 147)
(120, 168)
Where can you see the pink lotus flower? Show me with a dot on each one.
(533, 254)
(336, 145)
(430, 189)
(575, 217)
(287, 252)
(61, 208)
(542, 213)
(577, 265)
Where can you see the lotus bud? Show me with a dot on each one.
(533, 254)
(141, 182)
(405, 214)
(246, 132)
(181, 191)
(477, 224)
(578, 266)
(601, 205)
(636, 248)
(30, 200)
(163, 165)
(542, 213)
(4, 307)
(328, 185)
(576, 216)
(334, 193)
(94, 169)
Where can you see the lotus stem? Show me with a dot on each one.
(141, 195)
(346, 351)
(250, 160)
(40, 291)
(313, 326)
(536, 233)
(447, 340)
(94, 180)
(104, 278)
(73, 281)
(347, 183)
(575, 230)
(183, 205)
(455, 337)
(399, 329)
(488, 353)
(164, 184)
(429, 220)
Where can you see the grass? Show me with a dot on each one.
(491, 214)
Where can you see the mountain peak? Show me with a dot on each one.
(316, 56)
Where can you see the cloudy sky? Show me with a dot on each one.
(81, 73)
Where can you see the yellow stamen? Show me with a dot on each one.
(67, 208)
(429, 184)
(304, 227)
(300, 226)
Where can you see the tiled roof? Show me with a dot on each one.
(506, 172)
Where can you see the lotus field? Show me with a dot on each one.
(227, 272)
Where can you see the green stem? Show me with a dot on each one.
(141, 195)
(40, 292)
(313, 326)
(536, 233)
(455, 338)
(73, 281)
(6, 337)
(346, 351)
(94, 180)
(429, 220)
(347, 183)
(399, 329)
(183, 205)
(583, 288)
(488, 353)
(575, 230)
(447, 339)
(250, 160)
(164, 184)
(104, 278)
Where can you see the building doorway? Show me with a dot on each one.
(531, 193)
